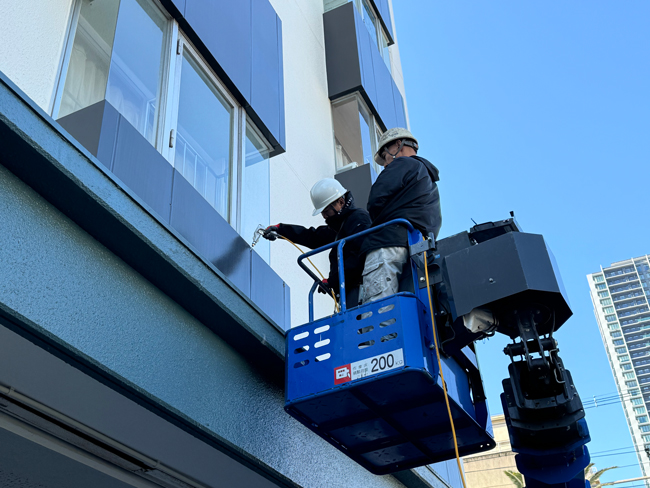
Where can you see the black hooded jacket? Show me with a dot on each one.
(405, 189)
(348, 221)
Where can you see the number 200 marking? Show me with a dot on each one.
(380, 364)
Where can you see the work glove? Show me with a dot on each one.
(326, 286)
(271, 232)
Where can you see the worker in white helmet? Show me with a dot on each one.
(342, 219)
(405, 189)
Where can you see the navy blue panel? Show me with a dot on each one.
(265, 88)
(400, 114)
(267, 289)
(213, 238)
(224, 27)
(287, 307)
(282, 140)
(143, 169)
(366, 49)
(385, 100)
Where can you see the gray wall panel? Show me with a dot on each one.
(224, 27)
(95, 127)
(341, 51)
(267, 289)
(143, 169)
(198, 222)
(265, 86)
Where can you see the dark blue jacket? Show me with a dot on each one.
(405, 189)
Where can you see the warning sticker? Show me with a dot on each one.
(342, 374)
(369, 367)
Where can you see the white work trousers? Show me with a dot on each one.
(382, 272)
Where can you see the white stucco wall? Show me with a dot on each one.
(310, 144)
(31, 44)
(310, 141)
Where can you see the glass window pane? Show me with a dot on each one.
(385, 52)
(135, 75)
(90, 57)
(370, 20)
(366, 144)
(255, 191)
(352, 133)
(203, 152)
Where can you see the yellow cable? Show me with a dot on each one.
(336, 304)
(442, 377)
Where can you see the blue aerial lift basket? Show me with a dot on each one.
(367, 380)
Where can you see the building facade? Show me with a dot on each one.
(621, 297)
(142, 142)
(486, 470)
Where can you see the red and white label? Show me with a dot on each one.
(342, 374)
(368, 367)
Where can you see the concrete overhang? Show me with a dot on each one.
(39, 152)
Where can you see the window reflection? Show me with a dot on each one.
(203, 150)
(135, 75)
(370, 20)
(255, 191)
(90, 57)
(352, 132)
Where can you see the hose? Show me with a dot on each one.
(442, 377)
(336, 303)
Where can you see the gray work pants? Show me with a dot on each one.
(381, 273)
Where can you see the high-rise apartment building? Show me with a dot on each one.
(141, 144)
(621, 297)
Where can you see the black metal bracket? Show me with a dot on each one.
(428, 244)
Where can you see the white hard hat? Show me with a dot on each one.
(324, 192)
(391, 135)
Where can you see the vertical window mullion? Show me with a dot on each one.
(239, 143)
(166, 87)
(173, 94)
(65, 61)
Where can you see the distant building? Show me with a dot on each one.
(486, 470)
(620, 295)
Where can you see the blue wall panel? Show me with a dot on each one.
(400, 114)
(385, 96)
(143, 169)
(224, 26)
(265, 87)
(267, 289)
(366, 47)
(215, 240)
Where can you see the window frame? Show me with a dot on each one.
(175, 45)
(183, 45)
(373, 127)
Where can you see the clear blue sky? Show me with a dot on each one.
(542, 108)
